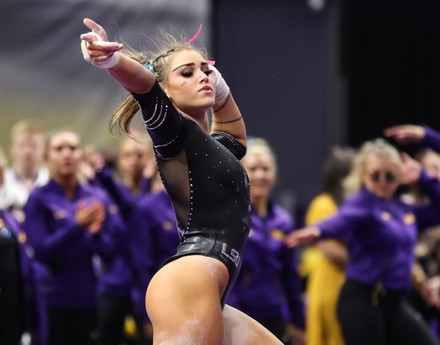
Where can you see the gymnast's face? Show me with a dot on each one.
(190, 83)
(381, 176)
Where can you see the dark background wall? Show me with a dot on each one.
(278, 58)
(309, 79)
(391, 56)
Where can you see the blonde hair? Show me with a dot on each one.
(376, 148)
(166, 46)
(27, 127)
(260, 146)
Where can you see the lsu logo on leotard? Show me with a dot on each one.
(234, 255)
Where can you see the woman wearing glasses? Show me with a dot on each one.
(380, 232)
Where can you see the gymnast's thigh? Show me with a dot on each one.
(183, 300)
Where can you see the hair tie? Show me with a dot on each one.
(149, 67)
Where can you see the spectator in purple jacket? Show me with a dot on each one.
(425, 296)
(380, 232)
(268, 287)
(21, 311)
(154, 238)
(410, 134)
(27, 169)
(126, 187)
(68, 224)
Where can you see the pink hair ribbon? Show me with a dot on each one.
(192, 39)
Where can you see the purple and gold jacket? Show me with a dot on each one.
(268, 284)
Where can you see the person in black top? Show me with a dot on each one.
(199, 164)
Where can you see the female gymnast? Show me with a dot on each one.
(199, 164)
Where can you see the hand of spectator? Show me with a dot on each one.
(410, 170)
(90, 215)
(406, 134)
(306, 235)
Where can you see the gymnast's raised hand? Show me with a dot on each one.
(96, 48)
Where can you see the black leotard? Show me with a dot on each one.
(205, 180)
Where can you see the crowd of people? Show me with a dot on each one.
(380, 231)
(179, 240)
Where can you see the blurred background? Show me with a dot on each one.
(307, 74)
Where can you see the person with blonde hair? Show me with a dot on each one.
(27, 169)
(198, 161)
(268, 287)
(153, 239)
(117, 317)
(380, 232)
(69, 224)
(425, 296)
